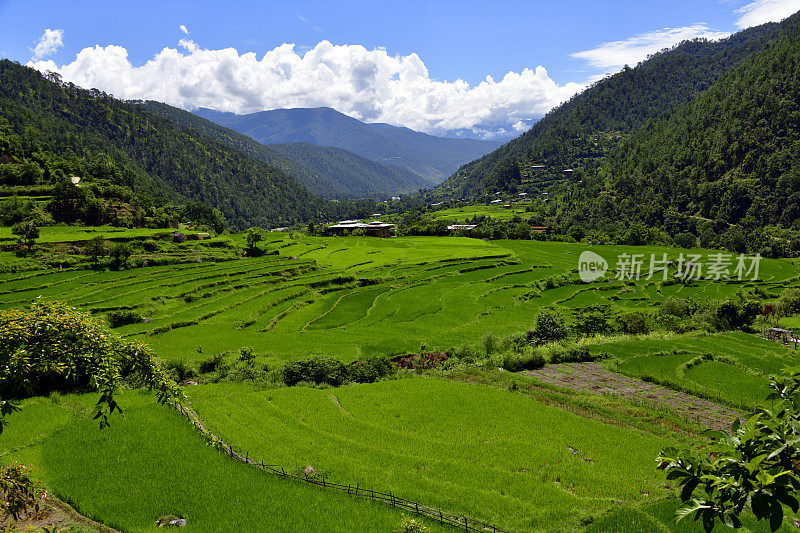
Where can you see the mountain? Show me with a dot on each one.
(325, 171)
(431, 158)
(152, 154)
(731, 155)
(580, 132)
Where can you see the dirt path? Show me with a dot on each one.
(592, 377)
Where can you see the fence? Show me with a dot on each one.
(461, 522)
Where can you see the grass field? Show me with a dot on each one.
(461, 214)
(356, 297)
(511, 462)
(152, 463)
(736, 369)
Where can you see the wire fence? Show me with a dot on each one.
(462, 522)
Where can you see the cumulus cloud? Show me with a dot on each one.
(615, 54)
(370, 85)
(184, 30)
(49, 43)
(762, 11)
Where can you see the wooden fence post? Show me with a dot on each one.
(466, 525)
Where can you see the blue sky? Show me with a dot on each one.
(452, 40)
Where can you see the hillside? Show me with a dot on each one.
(431, 158)
(732, 155)
(581, 131)
(152, 154)
(325, 171)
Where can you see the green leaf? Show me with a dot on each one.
(688, 508)
(776, 515)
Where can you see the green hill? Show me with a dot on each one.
(580, 132)
(152, 154)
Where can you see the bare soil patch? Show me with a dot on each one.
(592, 377)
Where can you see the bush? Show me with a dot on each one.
(515, 362)
(178, 237)
(575, 354)
(675, 307)
(150, 245)
(318, 370)
(632, 323)
(410, 525)
(549, 325)
(489, 343)
(181, 370)
(19, 493)
(212, 364)
(123, 317)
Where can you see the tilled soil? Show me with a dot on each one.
(592, 377)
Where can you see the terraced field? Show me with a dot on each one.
(356, 297)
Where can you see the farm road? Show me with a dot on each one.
(592, 377)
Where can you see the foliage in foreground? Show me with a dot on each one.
(755, 466)
(54, 347)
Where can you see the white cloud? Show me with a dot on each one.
(49, 43)
(184, 30)
(761, 11)
(370, 85)
(615, 54)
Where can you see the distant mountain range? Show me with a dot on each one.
(431, 158)
(325, 171)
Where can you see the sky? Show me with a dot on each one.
(481, 69)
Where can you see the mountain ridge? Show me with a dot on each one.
(430, 157)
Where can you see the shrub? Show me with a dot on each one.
(575, 354)
(316, 369)
(371, 370)
(19, 493)
(789, 302)
(54, 347)
(212, 364)
(489, 343)
(150, 245)
(549, 325)
(178, 237)
(181, 370)
(123, 317)
(632, 323)
(515, 362)
(675, 307)
(410, 525)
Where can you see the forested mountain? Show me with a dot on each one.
(151, 154)
(432, 158)
(581, 131)
(325, 171)
(732, 155)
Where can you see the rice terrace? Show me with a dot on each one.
(320, 288)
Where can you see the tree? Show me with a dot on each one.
(752, 466)
(27, 232)
(253, 236)
(120, 251)
(549, 325)
(55, 347)
(95, 248)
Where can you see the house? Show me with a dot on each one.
(376, 228)
(535, 168)
(462, 227)
(523, 194)
(496, 202)
(76, 181)
(507, 206)
(567, 172)
(376, 215)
